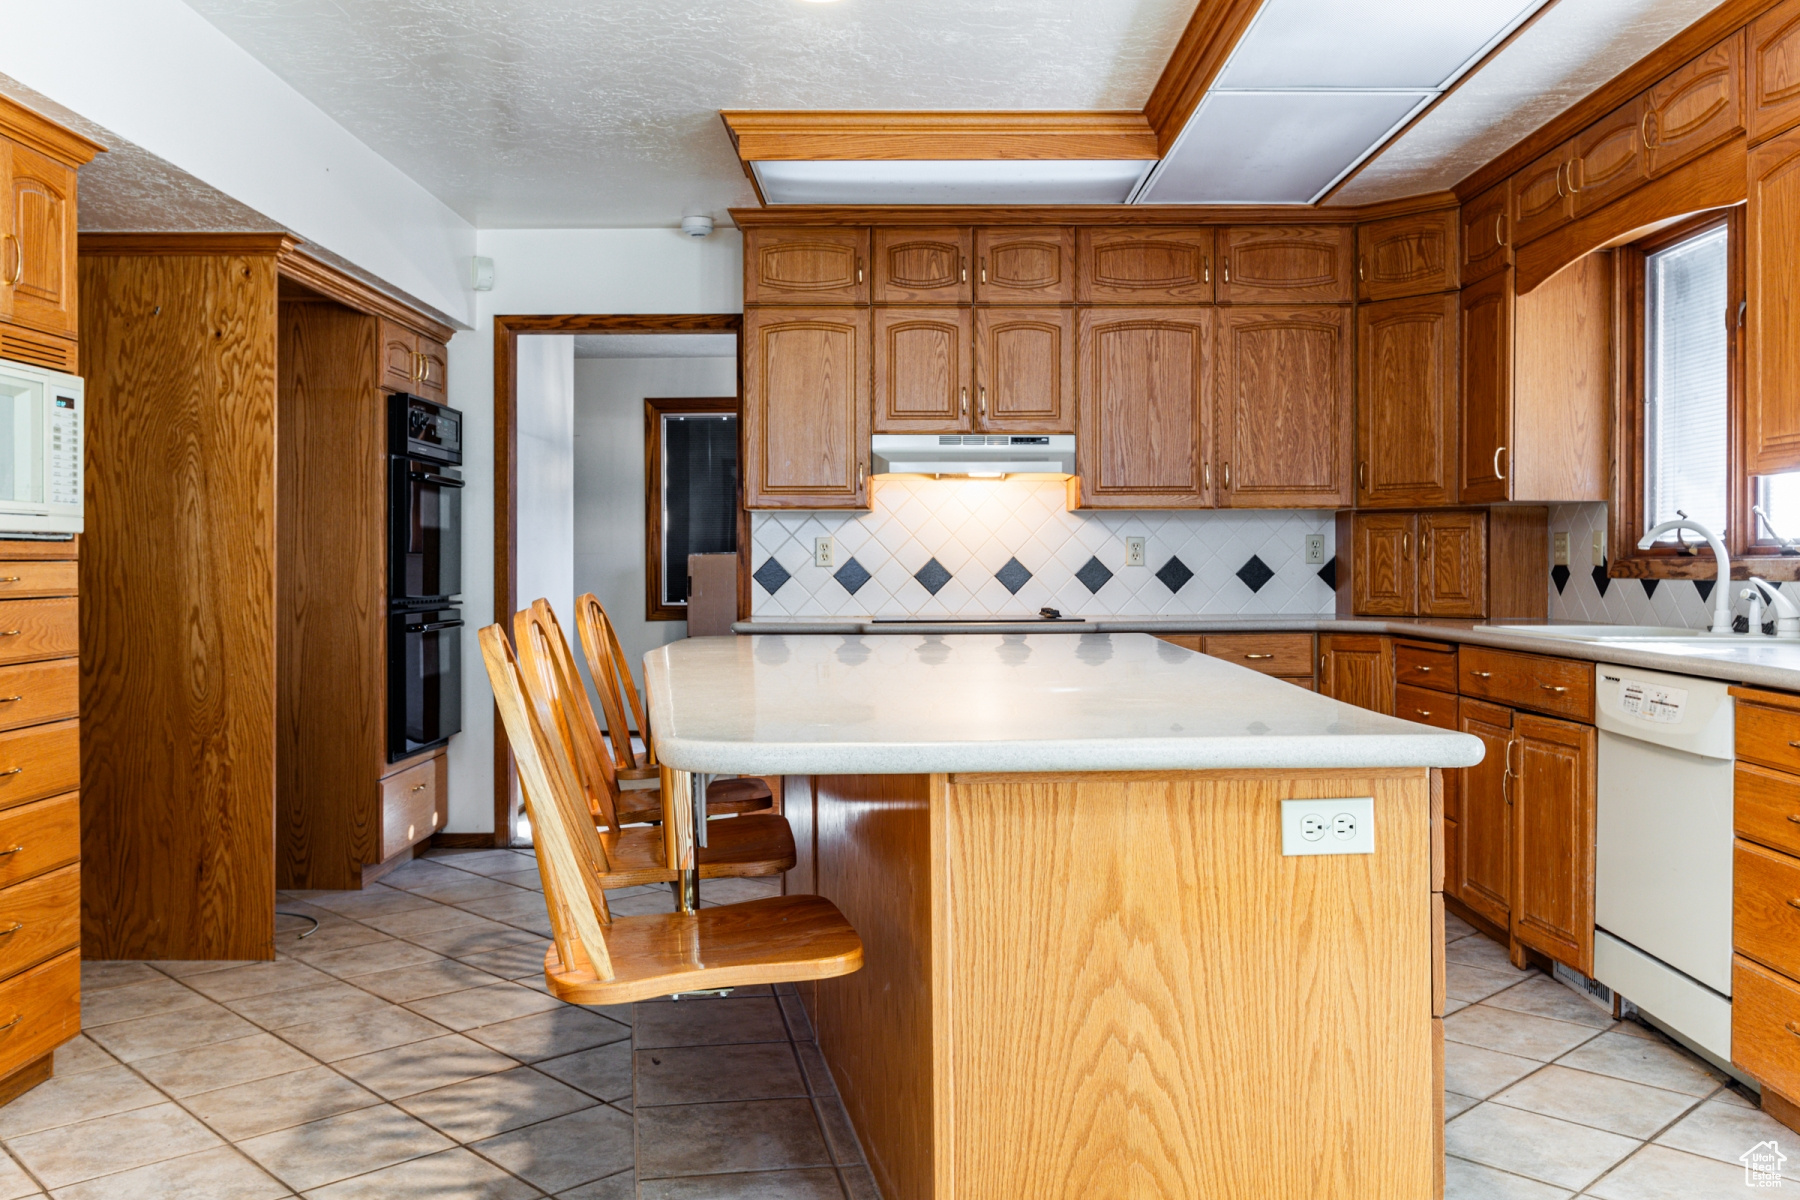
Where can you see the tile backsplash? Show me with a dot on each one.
(990, 547)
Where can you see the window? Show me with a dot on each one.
(1686, 373)
(691, 501)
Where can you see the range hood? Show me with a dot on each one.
(975, 455)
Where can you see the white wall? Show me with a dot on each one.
(546, 497)
(157, 73)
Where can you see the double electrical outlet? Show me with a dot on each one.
(1338, 826)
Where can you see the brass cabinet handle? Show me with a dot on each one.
(965, 402)
(1423, 670)
(1482, 674)
(859, 474)
(1227, 467)
(1795, 745)
(1259, 656)
(1548, 688)
(18, 261)
(1795, 818)
(1206, 269)
(14, 771)
(965, 270)
(13, 1022)
(1506, 775)
(1423, 712)
(1321, 664)
(1206, 476)
(859, 270)
(1560, 194)
(421, 787)
(1792, 1027)
(10, 578)
(16, 926)
(1498, 451)
(1405, 545)
(981, 392)
(1500, 229)
(1362, 474)
(11, 632)
(1574, 188)
(1644, 127)
(1362, 273)
(1225, 268)
(984, 268)
(1794, 903)
(14, 850)
(10, 699)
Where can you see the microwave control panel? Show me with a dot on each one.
(65, 448)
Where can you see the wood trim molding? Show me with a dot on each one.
(1211, 35)
(39, 132)
(333, 284)
(824, 136)
(1088, 214)
(655, 408)
(131, 245)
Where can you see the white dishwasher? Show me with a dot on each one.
(1663, 845)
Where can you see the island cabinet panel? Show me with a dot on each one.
(1554, 792)
(1772, 309)
(1358, 669)
(1286, 410)
(1486, 238)
(1698, 106)
(806, 407)
(922, 266)
(1034, 264)
(1025, 370)
(922, 370)
(1406, 402)
(1609, 157)
(1144, 266)
(1542, 200)
(1772, 53)
(1412, 255)
(1286, 264)
(1144, 391)
(806, 266)
(1486, 827)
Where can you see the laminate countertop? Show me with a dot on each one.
(921, 703)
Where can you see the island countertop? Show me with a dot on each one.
(828, 704)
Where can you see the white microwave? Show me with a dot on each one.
(40, 452)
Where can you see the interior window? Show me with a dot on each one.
(699, 458)
(1687, 382)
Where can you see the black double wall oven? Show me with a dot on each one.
(424, 574)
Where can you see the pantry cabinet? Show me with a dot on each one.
(1286, 413)
(806, 407)
(1406, 402)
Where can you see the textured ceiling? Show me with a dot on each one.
(546, 113)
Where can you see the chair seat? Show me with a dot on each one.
(760, 844)
(723, 797)
(783, 939)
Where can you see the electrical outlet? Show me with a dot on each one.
(1134, 551)
(1315, 549)
(824, 552)
(1560, 557)
(1599, 547)
(1343, 826)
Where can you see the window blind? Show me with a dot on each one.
(1685, 381)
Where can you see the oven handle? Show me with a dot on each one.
(440, 480)
(433, 625)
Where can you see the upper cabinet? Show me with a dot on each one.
(412, 362)
(1772, 308)
(806, 407)
(1406, 409)
(922, 369)
(1285, 264)
(38, 161)
(1025, 370)
(1028, 265)
(826, 265)
(1285, 411)
(1144, 266)
(922, 266)
(1542, 198)
(1773, 53)
(1486, 240)
(1696, 107)
(1413, 255)
(1608, 158)
(1145, 407)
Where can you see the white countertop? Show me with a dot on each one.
(850, 703)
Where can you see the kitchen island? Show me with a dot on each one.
(1090, 969)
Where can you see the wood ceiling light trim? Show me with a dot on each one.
(1211, 35)
(801, 136)
(1086, 214)
(1708, 31)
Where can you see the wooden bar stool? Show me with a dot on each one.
(595, 958)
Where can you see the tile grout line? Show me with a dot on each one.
(1651, 1141)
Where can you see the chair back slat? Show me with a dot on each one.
(595, 769)
(606, 657)
(573, 898)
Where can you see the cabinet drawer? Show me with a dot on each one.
(1767, 807)
(39, 918)
(1766, 907)
(1532, 681)
(43, 760)
(34, 629)
(1765, 1025)
(33, 693)
(1270, 653)
(42, 577)
(1770, 736)
(1426, 707)
(35, 838)
(1426, 667)
(409, 806)
(40, 1010)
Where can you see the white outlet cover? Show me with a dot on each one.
(1560, 555)
(1315, 549)
(1134, 551)
(1341, 826)
(824, 551)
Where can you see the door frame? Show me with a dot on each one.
(507, 330)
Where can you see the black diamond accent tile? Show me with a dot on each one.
(1174, 574)
(1704, 587)
(1649, 587)
(1328, 573)
(1559, 575)
(852, 575)
(1255, 573)
(1093, 574)
(771, 575)
(1601, 579)
(932, 576)
(1013, 575)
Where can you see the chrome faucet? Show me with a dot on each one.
(1722, 585)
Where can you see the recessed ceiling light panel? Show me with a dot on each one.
(959, 181)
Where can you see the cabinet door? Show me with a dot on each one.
(1025, 370)
(1610, 158)
(1383, 572)
(1453, 564)
(39, 241)
(399, 358)
(433, 362)
(806, 407)
(1358, 670)
(1773, 53)
(1286, 419)
(1553, 839)
(1486, 245)
(1696, 107)
(1485, 830)
(922, 266)
(1143, 405)
(1033, 265)
(1541, 197)
(922, 370)
(1414, 255)
(805, 266)
(1285, 264)
(1485, 344)
(1772, 314)
(1406, 402)
(1144, 266)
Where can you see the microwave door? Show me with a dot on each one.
(21, 444)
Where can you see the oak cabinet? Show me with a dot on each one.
(1406, 410)
(1430, 564)
(412, 362)
(1286, 420)
(1384, 575)
(922, 369)
(1772, 311)
(921, 266)
(1486, 241)
(1542, 200)
(1609, 157)
(434, 361)
(1485, 339)
(1412, 255)
(1034, 264)
(1554, 791)
(1453, 564)
(1025, 370)
(38, 276)
(1285, 264)
(806, 266)
(1358, 669)
(1772, 53)
(1144, 392)
(1144, 266)
(1486, 828)
(1698, 106)
(806, 407)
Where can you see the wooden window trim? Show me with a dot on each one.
(655, 408)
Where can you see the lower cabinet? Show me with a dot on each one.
(1358, 669)
(1486, 829)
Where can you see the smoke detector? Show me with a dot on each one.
(697, 227)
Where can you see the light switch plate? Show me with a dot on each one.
(1560, 557)
(824, 552)
(1343, 826)
(1599, 547)
(1315, 549)
(1134, 551)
